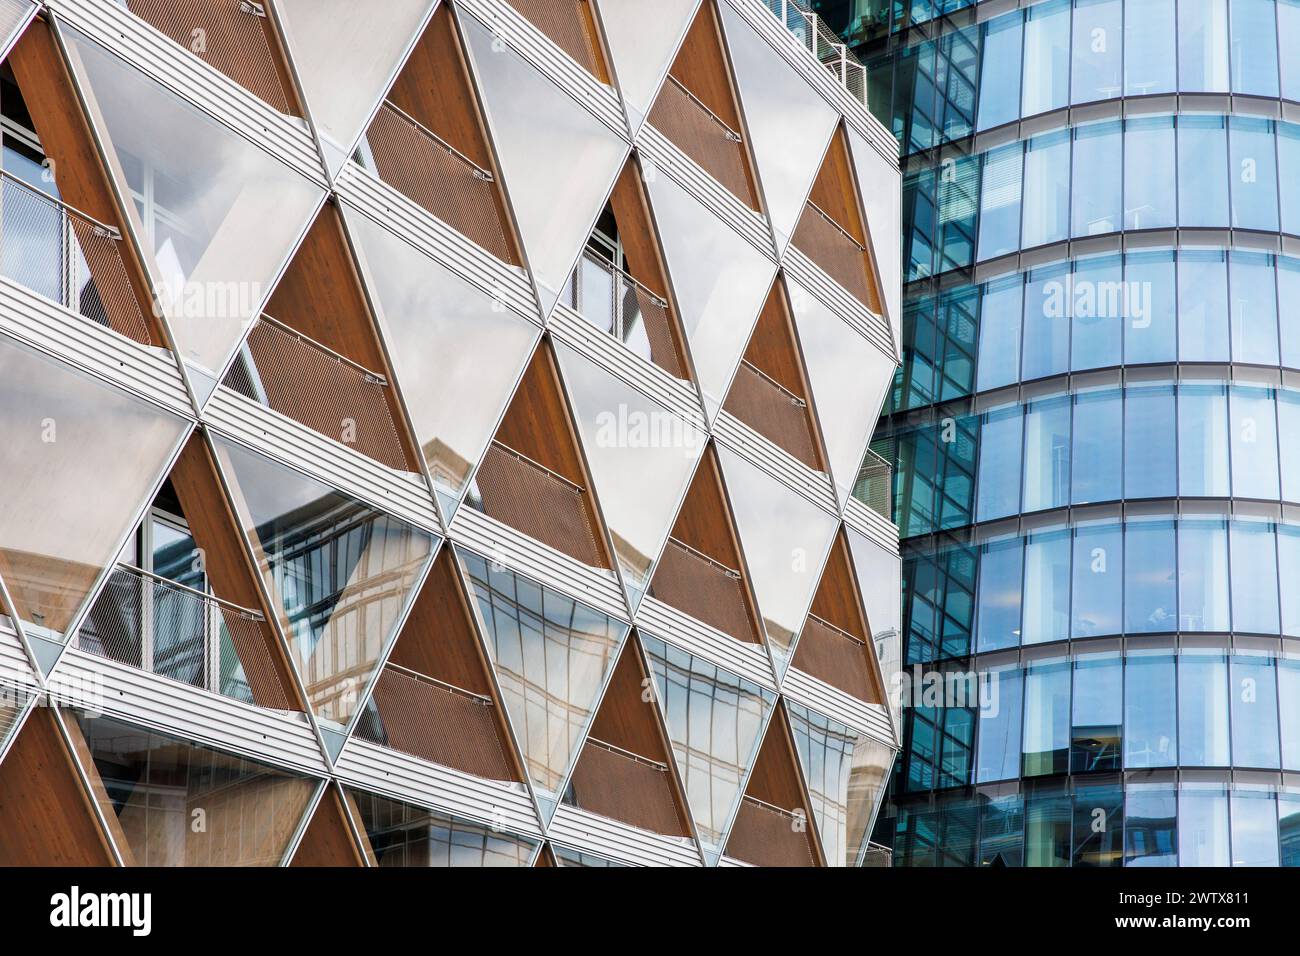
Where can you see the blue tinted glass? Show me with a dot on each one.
(1288, 683)
(1150, 593)
(1288, 826)
(999, 88)
(999, 728)
(1288, 297)
(998, 620)
(1098, 713)
(1254, 712)
(1288, 155)
(1000, 313)
(1047, 588)
(1254, 828)
(998, 488)
(1098, 599)
(1202, 46)
(1096, 50)
(1047, 830)
(1046, 747)
(1254, 308)
(1254, 578)
(1202, 307)
(1203, 827)
(1254, 173)
(1150, 730)
(1098, 827)
(1202, 171)
(1047, 190)
(1288, 38)
(1002, 831)
(1254, 442)
(1288, 423)
(1098, 423)
(1150, 333)
(1288, 567)
(1203, 709)
(1203, 441)
(1000, 201)
(1047, 454)
(1047, 58)
(1149, 55)
(1150, 827)
(1150, 199)
(1100, 303)
(1098, 179)
(1149, 440)
(1203, 575)
(1254, 47)
(1047, 322)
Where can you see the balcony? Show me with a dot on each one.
(68, 257)
(429, 171)
(700, 133)
(823, 43)
(298, 377)
(875, 485)
(706, 589)
(166, 628)
(833, 248)
(835, 656)
(768, 835)
(775, 412)
(618, 305)
(623, 785)
(570, 25)
(878, 856)
(435, 721)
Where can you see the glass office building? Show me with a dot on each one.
(1094, 425)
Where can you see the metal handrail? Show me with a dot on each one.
(614, 749)
(479, 171)
(441, 684)
(729, 572)
(577, 489)
(814, 36)
(840, 229)
(836, 630)
(247, 613)
(731, 134)
(772, 807)
(101, 229)
(615, 270)
(794, 399)
(373, 377)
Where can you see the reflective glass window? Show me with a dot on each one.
(998, 601)
(1202, 306)
(1288, 295)
(1098, 827)
(1288, 828)
(1288, 565)
(1149, 438)
(1202, 171)
(1098, 423)
(1255, 741)
(405, 835)
(1254, 308)
(1047, 454)
(1150, 333)
(1254, 827)
(1288, 157)
(1203, 440)
(999, 320)
(1253, 168)
(1254, 47)
(1098, 581)
(1046, 342)
(1202, 46)
(1097, 50)
(1254, 577)
(1203, 575)
(1047, 588)
(1203, 708)
(1000, 187)
(1002, 831)
(1046, 748)
(1288, 38)
(1150, 826)
(1150, 174)
(1149, 55)
(1046, 82)
(1202, 826)
(1288, 423)
(1098, 713)
(1047, 189)
(1150, 718)
(998, 489)
(998, 754)
(1100, 302)
(1098, 179)
(1047, 830)
(1254, 442)
(999, 86)
(1150, 582)
(1288, 696)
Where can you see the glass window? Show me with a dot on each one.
(1203, 708)
(1046, 748)
(1288, 157)
(1098, 179)
(1203, 575)
(1047, 189)
(1203, 440)
(1047, 58)
(1149, 439)
(1047, 830)
(1288, 423)
(1000, 201)
(1288, 296)
(1254, 828)
(1149, 55)
(1098, 713)
(1254, 712)
(999, 87)
(998, 754)
(1000, 315)
(1288, 826)
(1150, 718)
(1288, 38)
(998, 489)
(1202, 306)
(1150, 592)
(1254, 442)
(1150, 334)
(1047, 454)
(1254, 578)
(1002, 828)
(1288, 566)
(1202, 826)
(1254, 308)
(406, 835)
(1202, 46)
(1288, 696)
(1254, 47)
(1202, 171)
(1098, 826)
(1098, 422)
(1098, 581)
(1097, 50)
(998, 620)
(1047, 588)
(1048, 304)
(1151, 827)
(1150, 197)
(1254, 173)
(1100, 302)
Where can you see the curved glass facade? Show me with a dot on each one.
(1097, 497)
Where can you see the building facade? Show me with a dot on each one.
(1093, 427)
(427, 432)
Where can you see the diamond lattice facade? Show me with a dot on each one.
(427, 432)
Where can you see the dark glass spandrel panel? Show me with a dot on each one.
(999, 87)
(1098, 713)
(1150, 717)
(1254, 577)
(1203, 826)
(1151, 827)
(1254, 828)
(1098, 827)
(405, 835)
(1150, 461)
(1150, 580)
(1046, 741)
(1097, 603)
(998, 753)
(998, 620)
(1255, 740)
(1098, 420)
(1203, 708)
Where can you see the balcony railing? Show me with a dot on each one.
(435, 721)
(834, 655)
(65, 255)
(298, 377)
(875, 485)
(772, 410)
(833, 248)
(429, 171)
(616, 303)
(166, 628)
(700, 133)
(706, 589)
(617, 783)
(537, 501)
(824, 44)
(767, 835)
(878, 856)
(569, 24)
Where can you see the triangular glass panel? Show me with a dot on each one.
(334, 741)
(641, 458)
(564, 856)
(789, 122)
(881, 203)
(457, 352)
(328, 839)
(846, 772)
(720, 281)
(715, 720)
(558, 160)
(341, 573)
(849, 378)
(62, 434)
(46, 652)
(642, 39)
(346, 57)
(879, 576)
(217, 215)
(13, 14)
(552, 657)
(785, 539)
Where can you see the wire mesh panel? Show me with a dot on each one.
(774, 412)
(875, 485)
(56, 251)
(415, 161)
(823, 43)
(702, 135)
(769, 836)
(835, 656)
(229, 34)
(436, 722)
(701, 587)
(569, 24)
(538, 502)
(316, 387)
(842, 257)
(624, 786)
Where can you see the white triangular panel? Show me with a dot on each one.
(642, 38)
(878, 183)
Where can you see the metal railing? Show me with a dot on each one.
(768, 835)
(537, 501)
(429, 171)
(700, 133)
(835, 656)
(823, 43)
(706, 589)
(772, 410)
(623, 785)
(629, 311)
(175, 631)
(876, 855)
(569, 24)
(837, 252)
(297, 376)
(875, 485)
(65, 255)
